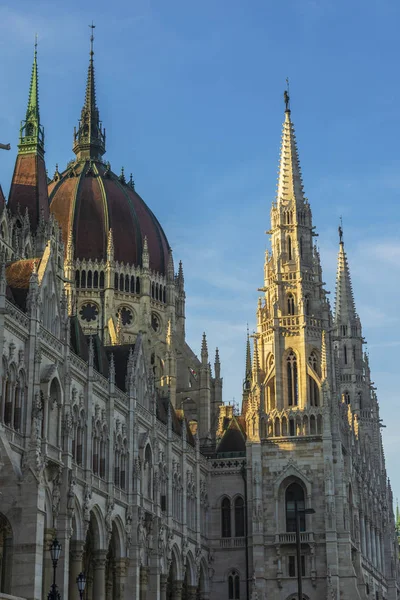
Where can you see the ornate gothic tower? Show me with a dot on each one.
(312, 421)
(28, 193)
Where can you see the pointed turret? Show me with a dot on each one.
(28, 190)
(180, 278)
(248, 370)
(290, 184)
(90, 137)
(345, 310)
(256, 361)
(110, 247)
(204, 350)
(145, 254)
(217, 365)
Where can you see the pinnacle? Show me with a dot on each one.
(290, 185)
(248, 356)
(345, 310)
(204, 349)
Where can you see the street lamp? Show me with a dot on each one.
(55, 551)
(298, 512)
(81, 582)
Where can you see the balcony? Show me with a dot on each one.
(238, 542)
(306, 537)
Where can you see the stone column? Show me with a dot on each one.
(362, 533)
(163, 586)
(120, 573)
(75, 566)
(143, 582)
(99, 574)
(191, 592)
(367, 539)
(177, 590)
(47, 562)
(373, 549)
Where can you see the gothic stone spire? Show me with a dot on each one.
(345, 310)
(290, 185)
(28, 192)
(90, 138)
(31, 133)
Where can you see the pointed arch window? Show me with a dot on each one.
(345, 354)
(307, 305)
(292, 379)
(239, 517)
(226, 518)
(294, 498)
(233, 586)
(289, 247)
(290, 304)
(346, 397)
(313, 391)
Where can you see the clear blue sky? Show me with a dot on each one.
(191, 96)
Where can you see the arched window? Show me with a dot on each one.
(164, 295)
(233, 586)
(116, 281)
(127, 283)
(313, 362)
(101, 280)
(239, 517)
(96, 279)
(226, 518)
(121, 282)
(132, 284)
(294, 497)
(290, 304)
(292, 379)
(307, 305)
(89, 279)
(345, 354)
(148, 465)
(346, 397)
(152, 290)
(137, 285)
(77, 278)
(83, 279)
(289, 247)
(313, 391)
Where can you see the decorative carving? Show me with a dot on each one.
(108, 519)
(56, 494)
(87, 497)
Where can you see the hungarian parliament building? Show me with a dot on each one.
(115, 442)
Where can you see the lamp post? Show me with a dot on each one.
(298, 512)
(55, 551)
(81, 583)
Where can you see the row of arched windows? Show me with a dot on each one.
(99, 444)
(238, 517)
(126, 283)
(291, 305)
(91, 279)
(158, 292)
(13, 394)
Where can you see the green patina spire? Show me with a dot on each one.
(90, 137)
(31, 133)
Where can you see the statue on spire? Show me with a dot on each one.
(340, 231)
(286, 96)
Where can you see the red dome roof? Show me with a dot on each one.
(90, 199)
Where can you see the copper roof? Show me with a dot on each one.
(29, 188)
(18, 275)
(91, 200)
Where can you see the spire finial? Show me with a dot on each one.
(90, 138)
(286, 96)
(31, 133)
(92, 27)
(340, 230)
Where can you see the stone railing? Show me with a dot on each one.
(18, 315)
(293, 422)
(290, 538)
(50, 340)
(237, 542)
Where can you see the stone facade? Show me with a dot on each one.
(113, 434)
